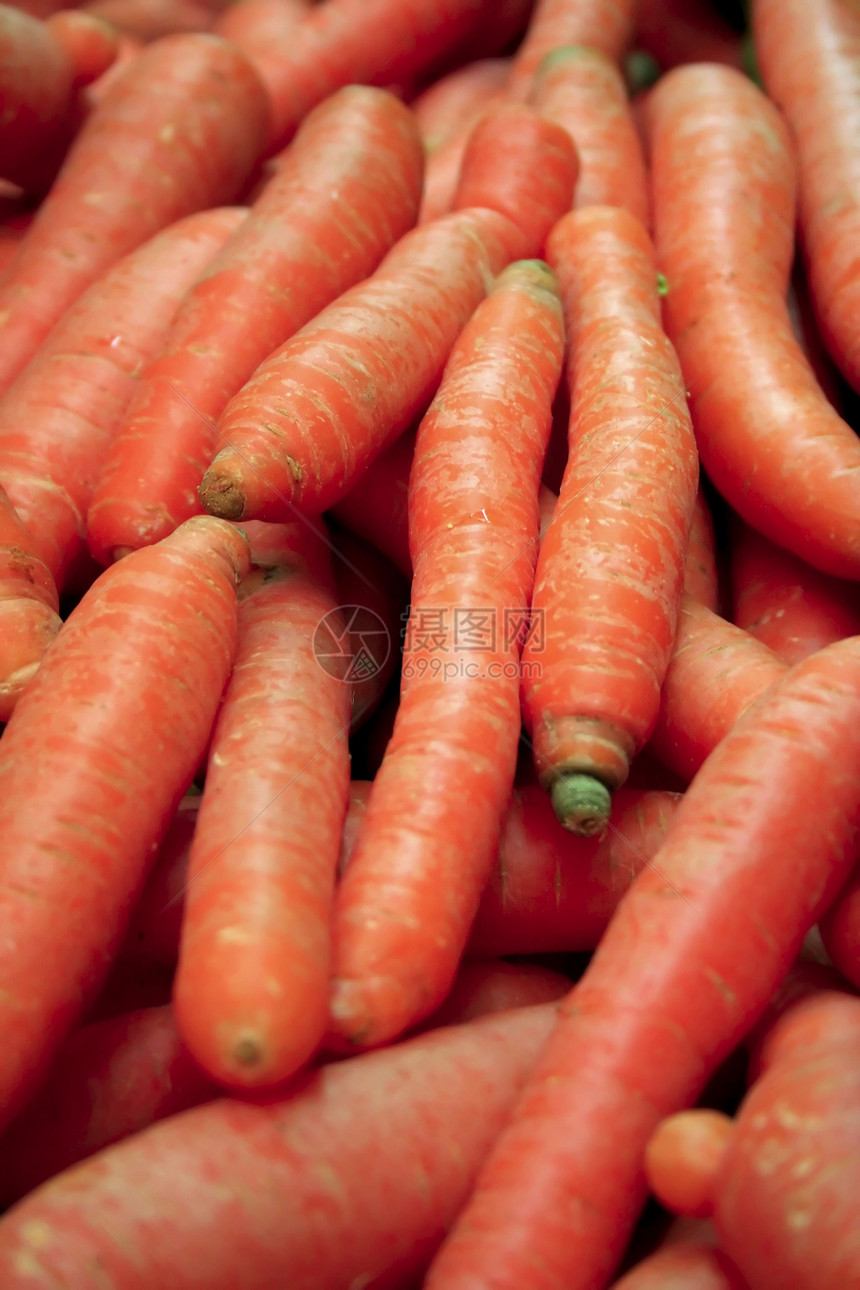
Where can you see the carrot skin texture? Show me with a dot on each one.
(768, 438)
(840, 930)
(809, 65)
(103, 723)
(582, 90)
(345, 190)
(149, 20)
(59, 417)
(611, 566)
(29, 618)
(688, 1265)
(605, 25)
(780, 600)
(179, 131)
(254, 25)
(409, 1124)
(426, 847)
(110, 1079)
(669, 981)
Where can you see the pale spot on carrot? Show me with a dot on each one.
(37, 1234)
(235, 936)
(167, 133)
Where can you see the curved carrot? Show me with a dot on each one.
(115, 720)
(701, 576)
(29, 620)
(179, 131)
(441, 109)
(784, 603)
(376, 507)
(611, 566)
(808, 57)
(251, 990)
(345, 191)
(605, 25)
(695, 949)
(583, 90)
(686, 31)
(768, 438)
(59, 417)
(352, 1176)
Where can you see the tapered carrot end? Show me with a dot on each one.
(222, 497)
(581, 803)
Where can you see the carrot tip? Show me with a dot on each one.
(248, 1051)
(581, 803)
(222, 498)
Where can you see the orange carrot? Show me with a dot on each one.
(840, 930)
(345, 191)
(257, 25)
(605, 25)
(583, 91)
(442, 171)
(768, 438)
(251, 990)
(784, 603)
(109, 1079)
(441, 109)
(686, 31)
(115, 720)
(611, 566)
(29, 620)
(148, 20)
(92, 45)
(687, 1265)
(179, 131)
(701, 577)
(426, 847)
(352, 1178)
(376, 507)
(59, 417)
(695, 949)
(683, 1157)
(807, 52)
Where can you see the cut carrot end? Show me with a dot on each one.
(581, 803)
(248, 1051)
(222, 498)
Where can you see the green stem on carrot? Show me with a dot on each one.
(581, 803)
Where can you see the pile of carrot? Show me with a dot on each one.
(429, 645)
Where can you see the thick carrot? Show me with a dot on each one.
(115, 720)
(29, 618)
(179, 131)
(521, 164)
(785, 603)
(686, 31)
(583, 90)
(376, 507)
(701, 576)
(605, 25)
(716, 671)
(687, 1265)
(59, 417)
(109, 1079)
(428, 838)
(768, 438)
(440, 110)
(320, 408)
(695, 949)
(809, 58)
(251, 990)
(350, 1180)
(611, 567)
(345, 191)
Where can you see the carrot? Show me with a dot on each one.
(695, 949)
(611, 566)
(109, 1079)
(148, 20)
(115, 721)
(251, 990)
(715, 673)
(840, 930)
(605, 25)
(701, 576)
(683, 1157)
(522, 165)
(442, 171)
(324, 405)
(376, 507)
(783, 602)
(690, 1265)
(178, 132)
(805, 326)
(346, 190)
(462, 94)
(481, 989)
(582, 90)
(768, 438)
(29, 618)
(425, 851)
(58, 419)
(92, 45)
(809, 63)
(686, 31)
(350, 1179)
(256, 25)
(127, 50)
(797, 1016)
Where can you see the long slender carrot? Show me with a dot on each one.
(583, 90)
(606, 25)
(59, 417)
(29, 620)
(351, 1179)
(690, 959)
(376, 507)
(179, 131)
(251, 992)
(110, 1079)
(808, 57)
(346, 190)
(115, 720)
(768, 438)
(784, 603)
(686, 31)
(611, 566)
(426, 847)
(440, 110)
